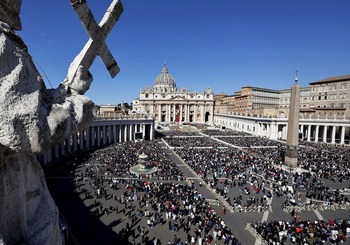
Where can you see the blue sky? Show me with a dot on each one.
(221, 44)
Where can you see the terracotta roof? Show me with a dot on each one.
(332, 79)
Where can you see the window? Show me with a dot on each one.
(146, 95)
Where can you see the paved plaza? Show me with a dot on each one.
(211, 188)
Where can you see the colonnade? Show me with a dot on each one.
(99, 134)
(312, 130)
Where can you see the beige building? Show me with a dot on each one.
(325, 99)
(330, 98)
(167, 103)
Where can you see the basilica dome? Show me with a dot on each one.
(164, 81)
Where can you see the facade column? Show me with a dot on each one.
(333, 134)
(195, 106)
(325, 133)
(168, 113)
(159, 113)
(273, 131)
(317, 132)
(180, 112)
(186, 117)
(342, 136)
(202, 112)
(309, 132)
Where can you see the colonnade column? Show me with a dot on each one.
(309, 132)
(125, 132)
(325, 133)
(120, 133)
(302, 130)
(317, 132)
(93, 137)
(334, 128)
(273, 131)
(131, 127)
(104, 138)
(114, 134)
(88, 138)
(98, 135)
(151, 134)
(342, 135)
(81, 139)
(109, 134)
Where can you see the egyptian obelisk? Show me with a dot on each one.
(291, 153)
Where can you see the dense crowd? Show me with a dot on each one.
(179, 207)
(190, 142)
(248, 141)
(215, 132)
(116, 160)
(304, 232)
(243, 177)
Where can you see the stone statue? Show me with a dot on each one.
(32, 120)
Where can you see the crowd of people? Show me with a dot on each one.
(222, 168)
(246, 178)
(190, 142)
(304, 232)
(116, 160)
(248, 141)
(177, 206)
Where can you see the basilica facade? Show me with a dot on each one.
(165, 102)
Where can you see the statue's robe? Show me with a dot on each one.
(32, 120)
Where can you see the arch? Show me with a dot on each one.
(206, 116)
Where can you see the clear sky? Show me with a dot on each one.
(221, 44)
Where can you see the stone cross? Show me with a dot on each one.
(98, 34)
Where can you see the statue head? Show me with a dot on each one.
(9, 13)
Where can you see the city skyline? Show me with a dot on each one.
(224, 46)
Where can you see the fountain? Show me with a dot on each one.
(143, 166)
